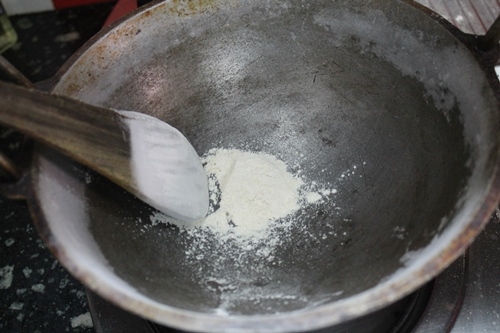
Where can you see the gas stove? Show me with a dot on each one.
(39, 296)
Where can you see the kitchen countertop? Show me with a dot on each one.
(36, 292)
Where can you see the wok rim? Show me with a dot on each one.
(316, 317)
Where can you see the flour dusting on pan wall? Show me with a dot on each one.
(454, 86)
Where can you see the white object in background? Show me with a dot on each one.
(470, 16)
(14, 7)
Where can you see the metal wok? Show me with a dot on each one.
(382, 88)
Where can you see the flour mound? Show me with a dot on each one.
(255, 189)
(249, 193)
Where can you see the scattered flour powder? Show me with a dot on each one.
(248, 192)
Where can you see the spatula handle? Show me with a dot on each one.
(89, 134)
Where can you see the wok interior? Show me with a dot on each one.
(315, 87)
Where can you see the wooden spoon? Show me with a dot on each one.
(140, 153)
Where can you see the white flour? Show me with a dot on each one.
(255, 190)
(248, 192)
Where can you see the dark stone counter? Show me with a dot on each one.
(37, 294)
